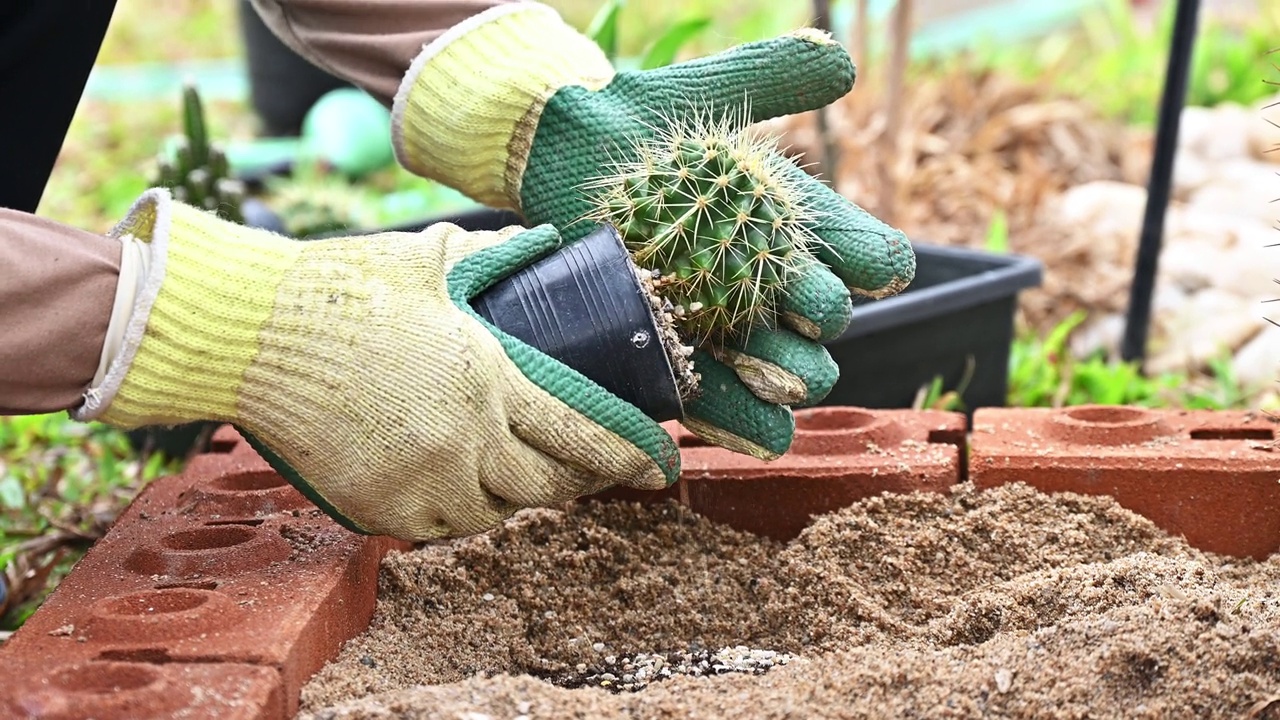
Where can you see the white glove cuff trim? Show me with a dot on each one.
(142, 266)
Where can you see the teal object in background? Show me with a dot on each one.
(349, 130)
(995, 21)
(217, 80)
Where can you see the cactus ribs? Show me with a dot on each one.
(708, 206)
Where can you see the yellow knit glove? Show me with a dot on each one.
(360, 371)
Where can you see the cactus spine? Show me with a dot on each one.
(709, 206)
(198, 173)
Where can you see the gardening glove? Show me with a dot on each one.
(518, 110)
(358, 369)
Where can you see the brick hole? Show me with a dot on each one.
(1107, 425)
(208, 550)
(158, 602)
(209, 537)
(246, 522)
(224, 440)
(152, 656)
(1233, 434)
(104, 678)
(1106, 415)
(204, 585)
(222, 446)
(691, 440)
(834, 420)
(948, 437)
(247, 482)
(839, 430)
(157, 614)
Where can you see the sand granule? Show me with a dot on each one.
(1005, 603)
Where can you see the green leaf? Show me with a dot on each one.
(664, 50)
(998, 233)
(604, 28)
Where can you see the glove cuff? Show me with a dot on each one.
(467, 109)
(193, 327)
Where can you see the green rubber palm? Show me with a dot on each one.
(747, 390)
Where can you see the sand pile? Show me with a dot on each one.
(1009, 603)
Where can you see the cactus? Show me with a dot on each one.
(710, 206)
(315, 201)
(198, 173)
(312, 208)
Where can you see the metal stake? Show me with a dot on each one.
(1181, 47)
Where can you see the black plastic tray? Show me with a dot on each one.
(961, 305)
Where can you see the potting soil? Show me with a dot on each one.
(1004, 603)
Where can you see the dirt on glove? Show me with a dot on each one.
(1004, 603)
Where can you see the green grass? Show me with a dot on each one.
(62, 483)
(1044, 373)
(1117, 64)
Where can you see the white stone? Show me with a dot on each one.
(1191, 265)
(1264, 132)
(1213, 322)
(1102, 333)
(1218, 133)
(1252, 265)
(1004, 680)
(1105, 332)
(1104, 207)
(1247, 188)
(1257, 364)
(1203, 224)
(1190, 173)
(1194, 128)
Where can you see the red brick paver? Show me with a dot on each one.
(224, 568)
(840, 455)
(1211, 476)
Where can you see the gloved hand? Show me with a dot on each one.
(517, 110)
(358, 367)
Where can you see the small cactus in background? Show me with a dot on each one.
(709, 207)
(315, 201)
(197, 173)
(314, 208)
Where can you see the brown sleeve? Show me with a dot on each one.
(368, 44)
(57, 285)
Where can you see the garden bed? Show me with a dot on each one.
(1004, 603)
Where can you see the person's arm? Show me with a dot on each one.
(57, 286)
(368, 44)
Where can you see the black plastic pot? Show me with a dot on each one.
(584, 306)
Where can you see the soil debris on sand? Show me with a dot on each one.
(1003, 603)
